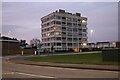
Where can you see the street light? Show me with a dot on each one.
(91, 31)
(9, 32)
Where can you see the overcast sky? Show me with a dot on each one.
(22, 19)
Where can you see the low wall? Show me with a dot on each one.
(17, 52)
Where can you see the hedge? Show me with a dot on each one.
(111, 54)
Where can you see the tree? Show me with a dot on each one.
(52, 48)
(35, 43)
(23, 43)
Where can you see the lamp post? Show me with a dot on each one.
(91, 33)
(8, 42)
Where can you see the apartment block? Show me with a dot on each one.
(64, 31)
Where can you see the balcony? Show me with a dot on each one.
(63, 45)
(64, 41)
(69, 41)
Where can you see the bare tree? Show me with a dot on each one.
(35, 43)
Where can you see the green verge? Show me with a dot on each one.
(91, 58)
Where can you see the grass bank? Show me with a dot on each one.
(91, 58)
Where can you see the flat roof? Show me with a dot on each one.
(8, 40)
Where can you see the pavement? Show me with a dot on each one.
(12, 70)
(66, 65)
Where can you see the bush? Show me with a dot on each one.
(85, 50)
(111, 54)
(96, 49)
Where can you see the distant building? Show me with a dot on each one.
(102, 45)
(9, 45)
(64, 31)
(91, 45)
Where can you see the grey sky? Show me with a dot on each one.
(23, 18)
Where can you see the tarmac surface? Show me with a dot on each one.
(16, 67)
(13, 70)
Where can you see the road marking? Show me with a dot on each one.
(8, 73)
(27, 74)
(34, 75)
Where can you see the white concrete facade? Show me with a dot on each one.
(63, 30)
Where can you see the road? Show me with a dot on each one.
(12, 70)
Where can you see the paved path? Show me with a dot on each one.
(66, 65)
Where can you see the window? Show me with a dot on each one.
(80, 38)
(63, 27)
(74, 19)
(74, 24)
(69, 19)
(47, 19)
(53, 22)
(84, 35)
(75, 39)
(48, 39)
(53, 17)
(48, 29)
(84, 30)
(80, 34)
(69, 24)
(48, 44)
(52, 33)
(58, 38)
(63, 32)
(84, 39)
(79, 20)
(83, 22)
(42, 21)
(69, 39)
(52, 38)
(57, 33)
(79, 24)
(64, 18)
(69, 29)
(48, 24)
(56, 27)
(74, 29)
(69, 44)
(58, 22)
(63, 23)
(48, 34)
(44, 25)
(80, 29)
(57, 17)
(58, 44)
(75, 44)
(69, 34)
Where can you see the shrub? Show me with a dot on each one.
(111, 54)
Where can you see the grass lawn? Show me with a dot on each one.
(90, 58)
